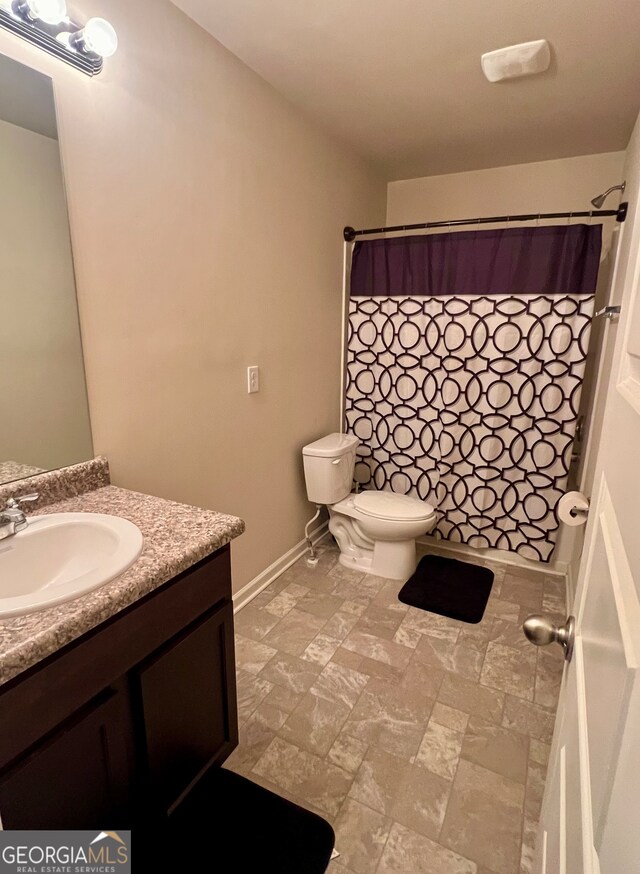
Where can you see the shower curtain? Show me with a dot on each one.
(465, 359)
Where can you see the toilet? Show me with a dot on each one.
(375, 531)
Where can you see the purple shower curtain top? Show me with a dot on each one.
(559, 259)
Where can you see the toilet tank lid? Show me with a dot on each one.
(331, 446)
(388, 505)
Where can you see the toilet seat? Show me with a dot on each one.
(387, 505)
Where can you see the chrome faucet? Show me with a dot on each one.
(12, 518)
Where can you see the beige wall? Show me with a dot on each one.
(43, 399)
(545, 186)
(206, 218)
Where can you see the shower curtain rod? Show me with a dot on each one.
(620, 213)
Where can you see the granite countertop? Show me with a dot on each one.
(176, 536)
(13, 470)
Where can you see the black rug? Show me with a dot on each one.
(257, 829)
(449, 587)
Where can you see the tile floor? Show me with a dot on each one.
(424, 741)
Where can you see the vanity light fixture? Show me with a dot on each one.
(97, 37)
(45, 23)
(49, 11)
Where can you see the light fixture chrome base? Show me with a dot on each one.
(52, 38)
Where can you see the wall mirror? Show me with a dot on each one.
(44, 415)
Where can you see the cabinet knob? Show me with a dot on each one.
(541, 631)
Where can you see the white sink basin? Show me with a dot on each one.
(62, 556)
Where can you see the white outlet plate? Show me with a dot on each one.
(253, 379)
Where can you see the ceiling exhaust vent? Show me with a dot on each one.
(525, 59)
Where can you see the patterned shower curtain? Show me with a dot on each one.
(465, 360)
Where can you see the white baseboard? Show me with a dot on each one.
(257, 584)
(499, 556)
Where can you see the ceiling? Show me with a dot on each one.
(400, 80)
(26, 98)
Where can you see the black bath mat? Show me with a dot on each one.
(449, 587)
(261, 832)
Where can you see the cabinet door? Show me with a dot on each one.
(78, 776)
(187, 698)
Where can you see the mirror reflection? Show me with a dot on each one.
(44, 415)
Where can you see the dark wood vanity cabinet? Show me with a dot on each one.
(83, 769)
(114, 729)
(182, 695)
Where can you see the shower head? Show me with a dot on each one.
(600, 199)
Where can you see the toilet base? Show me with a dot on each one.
(393, 557)
(395, 560)
(356, 562)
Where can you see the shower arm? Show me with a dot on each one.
(600, 199)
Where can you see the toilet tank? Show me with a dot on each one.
(329, 464)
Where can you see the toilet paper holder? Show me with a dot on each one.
(579, 511)
(573, 509)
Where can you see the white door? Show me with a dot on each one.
(590, 821)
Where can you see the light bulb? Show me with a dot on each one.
(49, 11)
(99, 36)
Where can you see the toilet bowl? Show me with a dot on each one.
(375, 531)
